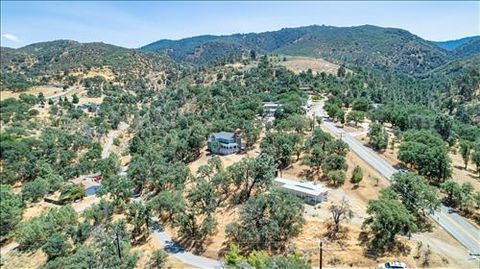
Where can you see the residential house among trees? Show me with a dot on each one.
(224, 143)
(89, 107)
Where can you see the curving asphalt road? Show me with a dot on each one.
(177, 251)
(467, 234)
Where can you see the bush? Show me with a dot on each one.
(361, 105)
(33, 113)
(57, 245)
(35, 190)
(32, 234)
(337, 177)
(357, 175)
(158, 260)
(72, 192)
(10, 210)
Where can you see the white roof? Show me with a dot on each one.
(271, 104)
(304, 187)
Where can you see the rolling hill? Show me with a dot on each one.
(469, 48)
(44, 62)
(451, 45)
(361, 46)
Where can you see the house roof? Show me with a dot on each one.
(271, 104)
(223, 135)
(304, 187)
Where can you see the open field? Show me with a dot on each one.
(317, 65)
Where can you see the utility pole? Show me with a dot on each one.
(321, 255)
(147, 218)
(118, 245)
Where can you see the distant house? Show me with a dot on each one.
(307, 88)
(224, 143)
(269, 109)
(89, 107)
(56, 85)
(311, 193)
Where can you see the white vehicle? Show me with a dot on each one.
(393, 265)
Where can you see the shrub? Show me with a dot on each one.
(357, 175)
(337, 177)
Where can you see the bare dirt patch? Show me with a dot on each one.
(104, 72)
(317, 65)
(460, 174)
(46, 90)
(36, 210)
(21, 260)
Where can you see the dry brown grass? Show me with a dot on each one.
(24, 260)
(318, 65)
(104, 72)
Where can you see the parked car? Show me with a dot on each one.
(97, 178)
(393, 265)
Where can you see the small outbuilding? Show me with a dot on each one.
(311, 193)
(89, 107)
(269, 109)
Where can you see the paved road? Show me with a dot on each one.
(179, 252)
(108, 145)
(110, 137)
(467, 234)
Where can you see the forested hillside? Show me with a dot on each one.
(362, 46)
(472, 47)
(57, 61)
(453, 44)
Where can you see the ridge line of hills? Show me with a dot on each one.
(359, 47)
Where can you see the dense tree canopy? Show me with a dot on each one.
(426, 152)
(267, 222)
(388, 218)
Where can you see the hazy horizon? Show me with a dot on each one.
(134, 24)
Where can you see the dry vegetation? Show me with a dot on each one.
(317, 65)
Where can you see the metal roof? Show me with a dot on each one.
(303, 187)
(271, 104)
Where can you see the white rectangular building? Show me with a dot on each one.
(269, 109)
(311, 193)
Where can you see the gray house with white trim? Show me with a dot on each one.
(224, 143)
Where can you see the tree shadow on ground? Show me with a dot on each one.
(371, 250)
(195, 245)
(140, 240)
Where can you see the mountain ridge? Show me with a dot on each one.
(378, 47)
(451, 45)
(356, 47)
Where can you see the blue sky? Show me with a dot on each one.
(133, 24)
